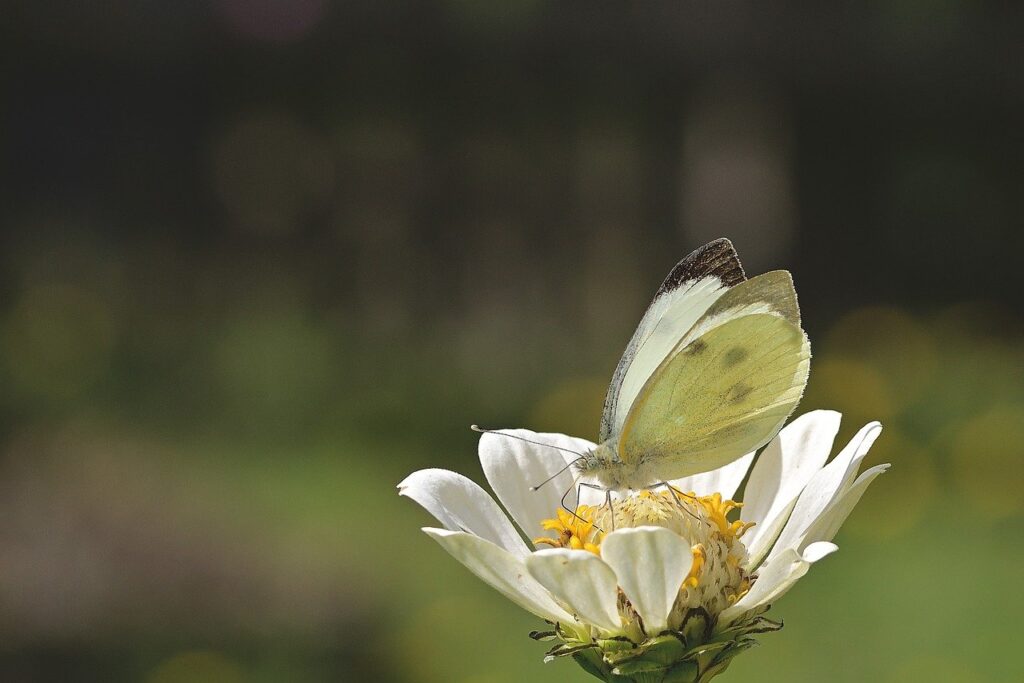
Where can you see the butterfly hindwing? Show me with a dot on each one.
(728, 385)
(689, 290)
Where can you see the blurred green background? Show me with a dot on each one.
(262, 258)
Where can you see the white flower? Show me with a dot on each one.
(659, 584)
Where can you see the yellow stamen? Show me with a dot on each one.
(576, 531)
(718, 511)
(698, 564)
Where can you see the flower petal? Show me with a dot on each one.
(650, 563)
(816, 551)
(775, 578)
(825, 487)
(724, 480)
(827, 525)
(781, 473)
(581, 581)
(513, 467)
(461, 505)
(503, 571)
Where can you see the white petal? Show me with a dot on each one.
(781, 473)
(724, 480)
(513, 466)
(815, 551)
(503, 571)
(461, 505)
(582, 582)
(827, 525)
(650, 563)
(776, 577)
(824, 488)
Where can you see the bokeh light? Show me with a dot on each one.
(987, 468)
(855, 388)
(900, 348)
(57, 341)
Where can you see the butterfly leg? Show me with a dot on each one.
(579, 492)
(565, 495)
(675, 493)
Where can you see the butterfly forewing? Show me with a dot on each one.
(690, 289)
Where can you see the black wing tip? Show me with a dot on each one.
(717, 257)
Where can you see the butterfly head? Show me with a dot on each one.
(604, 466)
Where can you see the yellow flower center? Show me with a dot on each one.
(716, 578)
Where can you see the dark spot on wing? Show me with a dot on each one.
(736, 354)
(696, 347)
(737, 392)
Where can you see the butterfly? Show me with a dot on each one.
(714, 369)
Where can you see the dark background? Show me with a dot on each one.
(260, 259)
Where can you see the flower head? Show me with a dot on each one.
(664, 584)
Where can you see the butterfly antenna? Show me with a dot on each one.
(553, 476)
(481, 430)
(579, 456)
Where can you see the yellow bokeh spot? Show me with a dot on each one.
(572, 407)
(58, 340)
(197, 666)
(855, 388)
(899, 499)
(987, 465)
(891, 341)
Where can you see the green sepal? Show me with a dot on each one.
(721, 663)
(695, 653)
(685, 671)
(755, 625)
(706, 648)
(543, 635)
(592, 663)
(566, 649)
(736, 647)
(656, 653)
(696, 627)
(616, 644)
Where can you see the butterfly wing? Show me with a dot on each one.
(727, 387)
(692, 286)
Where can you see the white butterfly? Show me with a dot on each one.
(715, 367)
